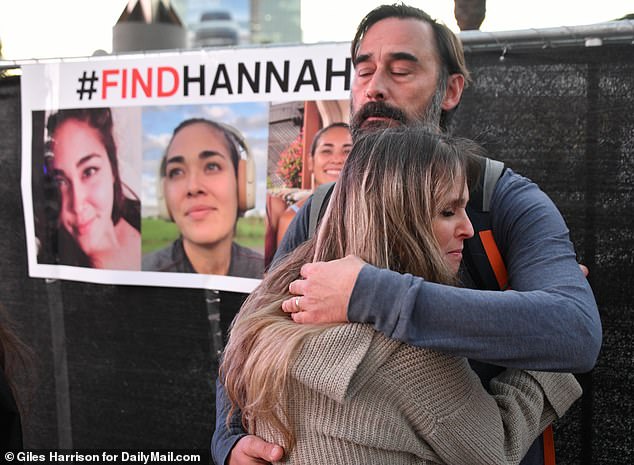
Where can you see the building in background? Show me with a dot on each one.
(182, 24)
(216, 28)
(276, 21)
(213, 23)
(216, 22)
(148, 25)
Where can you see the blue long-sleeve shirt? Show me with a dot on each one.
(548, 321)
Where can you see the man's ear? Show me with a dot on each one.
(455, 86)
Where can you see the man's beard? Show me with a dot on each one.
(391, 116)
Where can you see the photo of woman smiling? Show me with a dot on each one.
(328, 152)
(94, 216)
(202, 176)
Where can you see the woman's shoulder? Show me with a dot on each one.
(329, 359)
(168, 258)
(245, 262)
(290, 213)
(294, 208)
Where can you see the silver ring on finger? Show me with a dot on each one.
(297, 304)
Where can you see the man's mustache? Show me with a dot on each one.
(378, 110)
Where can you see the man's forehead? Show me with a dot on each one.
(398, 35)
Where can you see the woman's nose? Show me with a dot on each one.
(465, 228)
(340, 156)
(77, 195)
(194, 184)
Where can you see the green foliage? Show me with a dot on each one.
(156, 234)
(289, 165)
(250, 232)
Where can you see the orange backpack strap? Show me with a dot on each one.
(478, 271)
(549, 446)
(495, 259)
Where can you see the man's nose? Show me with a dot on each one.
(376, 89)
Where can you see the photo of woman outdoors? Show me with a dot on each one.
(204, 167)
(89, 216)
(310, 142)
(205, 185)
(328, 152)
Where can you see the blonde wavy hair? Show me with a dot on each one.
(393, 184)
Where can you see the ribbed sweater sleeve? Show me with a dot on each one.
(499, 429)
(359, 397)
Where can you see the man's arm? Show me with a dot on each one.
(231, 445)
(224, 437)
(549, 321)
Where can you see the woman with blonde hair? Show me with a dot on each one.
(348, 394)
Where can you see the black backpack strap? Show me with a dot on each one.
(318, 204)
(481, 273)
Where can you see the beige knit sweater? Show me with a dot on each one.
(358, 397)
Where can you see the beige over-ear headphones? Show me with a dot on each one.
(246, 174)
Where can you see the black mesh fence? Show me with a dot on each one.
(564, 118)
(132, 367)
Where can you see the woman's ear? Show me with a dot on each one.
(455, 86)
(310, 164)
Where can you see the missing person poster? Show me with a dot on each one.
(177, 169)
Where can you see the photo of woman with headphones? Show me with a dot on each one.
(207, 182)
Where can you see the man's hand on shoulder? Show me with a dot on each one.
(251, 450)
(323, 295)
